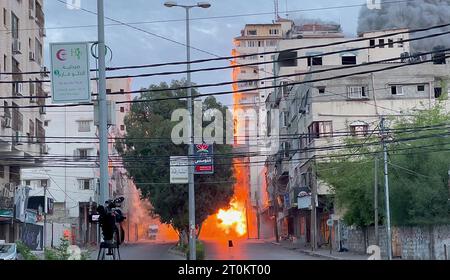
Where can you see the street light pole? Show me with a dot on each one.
(386, 190)
(102, 105)
(192, 233)
(192, 237)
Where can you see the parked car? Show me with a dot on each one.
(8, 251)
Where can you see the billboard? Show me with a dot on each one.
(70, 72)
(203, 159)
(179, 170)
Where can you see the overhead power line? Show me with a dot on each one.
(230, 92)
(264, 53)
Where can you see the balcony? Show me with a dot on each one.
(40, 94)
(40, 19)
(17, 120)
(40, 132)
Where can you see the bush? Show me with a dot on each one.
(200, 252)
(25, 252)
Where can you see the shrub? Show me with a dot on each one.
(25, 252)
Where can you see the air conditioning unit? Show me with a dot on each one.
(16, 47)
(32, 57)
(6, 122)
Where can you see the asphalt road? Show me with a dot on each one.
(251, 250)
(215, 250)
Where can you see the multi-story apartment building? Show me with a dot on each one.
(22, 133)
(249, 108)
(287, 173)
(72, 176)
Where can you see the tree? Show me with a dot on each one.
(146, 150)
(418, 172)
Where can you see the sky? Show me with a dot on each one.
(134, 47)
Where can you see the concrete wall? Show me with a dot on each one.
(409, 243)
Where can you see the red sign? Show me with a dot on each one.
(203, 168)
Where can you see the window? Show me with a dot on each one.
(82, 153)
(2, 171)
(84, 126)
(372, 43)
(390, 43)
(396, 90)
(5, 58)
(46, 123)
(285, 89)
(274, 31)
(122, 127)
(252, 32)
(437, 92)
(14, 26)
(400, 42)
(315, 60)
(357, 92)
(122, 109)
(284, 119)
(27, 183)
(321, 90)
(348, 60)
(260, 44)
(251, 44)
(271, 43)
(85, 184)
(320, 129)
(5, 14)
(381, 43)
(421, 88)
(359, 130)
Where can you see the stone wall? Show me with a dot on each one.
(410, 243)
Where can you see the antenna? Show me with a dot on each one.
(287, 14)
(277, 14)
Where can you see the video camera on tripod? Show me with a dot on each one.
(110, 218)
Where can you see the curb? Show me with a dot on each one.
(314, 254)
(176, 252)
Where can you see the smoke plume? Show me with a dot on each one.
(412, 15)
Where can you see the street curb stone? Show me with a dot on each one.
(176, 252)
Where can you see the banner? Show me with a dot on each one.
(203, 162)
(70, 72)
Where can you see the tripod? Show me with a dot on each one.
(109, 248)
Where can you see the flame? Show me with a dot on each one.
(233, 219)
(239, 219)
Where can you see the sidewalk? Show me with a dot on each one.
(322, 253)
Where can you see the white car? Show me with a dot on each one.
(8, 251)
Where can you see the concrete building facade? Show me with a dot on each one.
(22, 132)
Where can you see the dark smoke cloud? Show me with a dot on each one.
(413, 14)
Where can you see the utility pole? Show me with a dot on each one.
(191, 199)
(102, 105)
(386, 189)
(45, 215)
(314, 211)
(375, 202)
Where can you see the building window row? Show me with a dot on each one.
(389, 43)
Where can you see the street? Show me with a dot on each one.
(251, 250)
(215, 250)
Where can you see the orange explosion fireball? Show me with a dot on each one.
(233, 219)
(239, 219)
